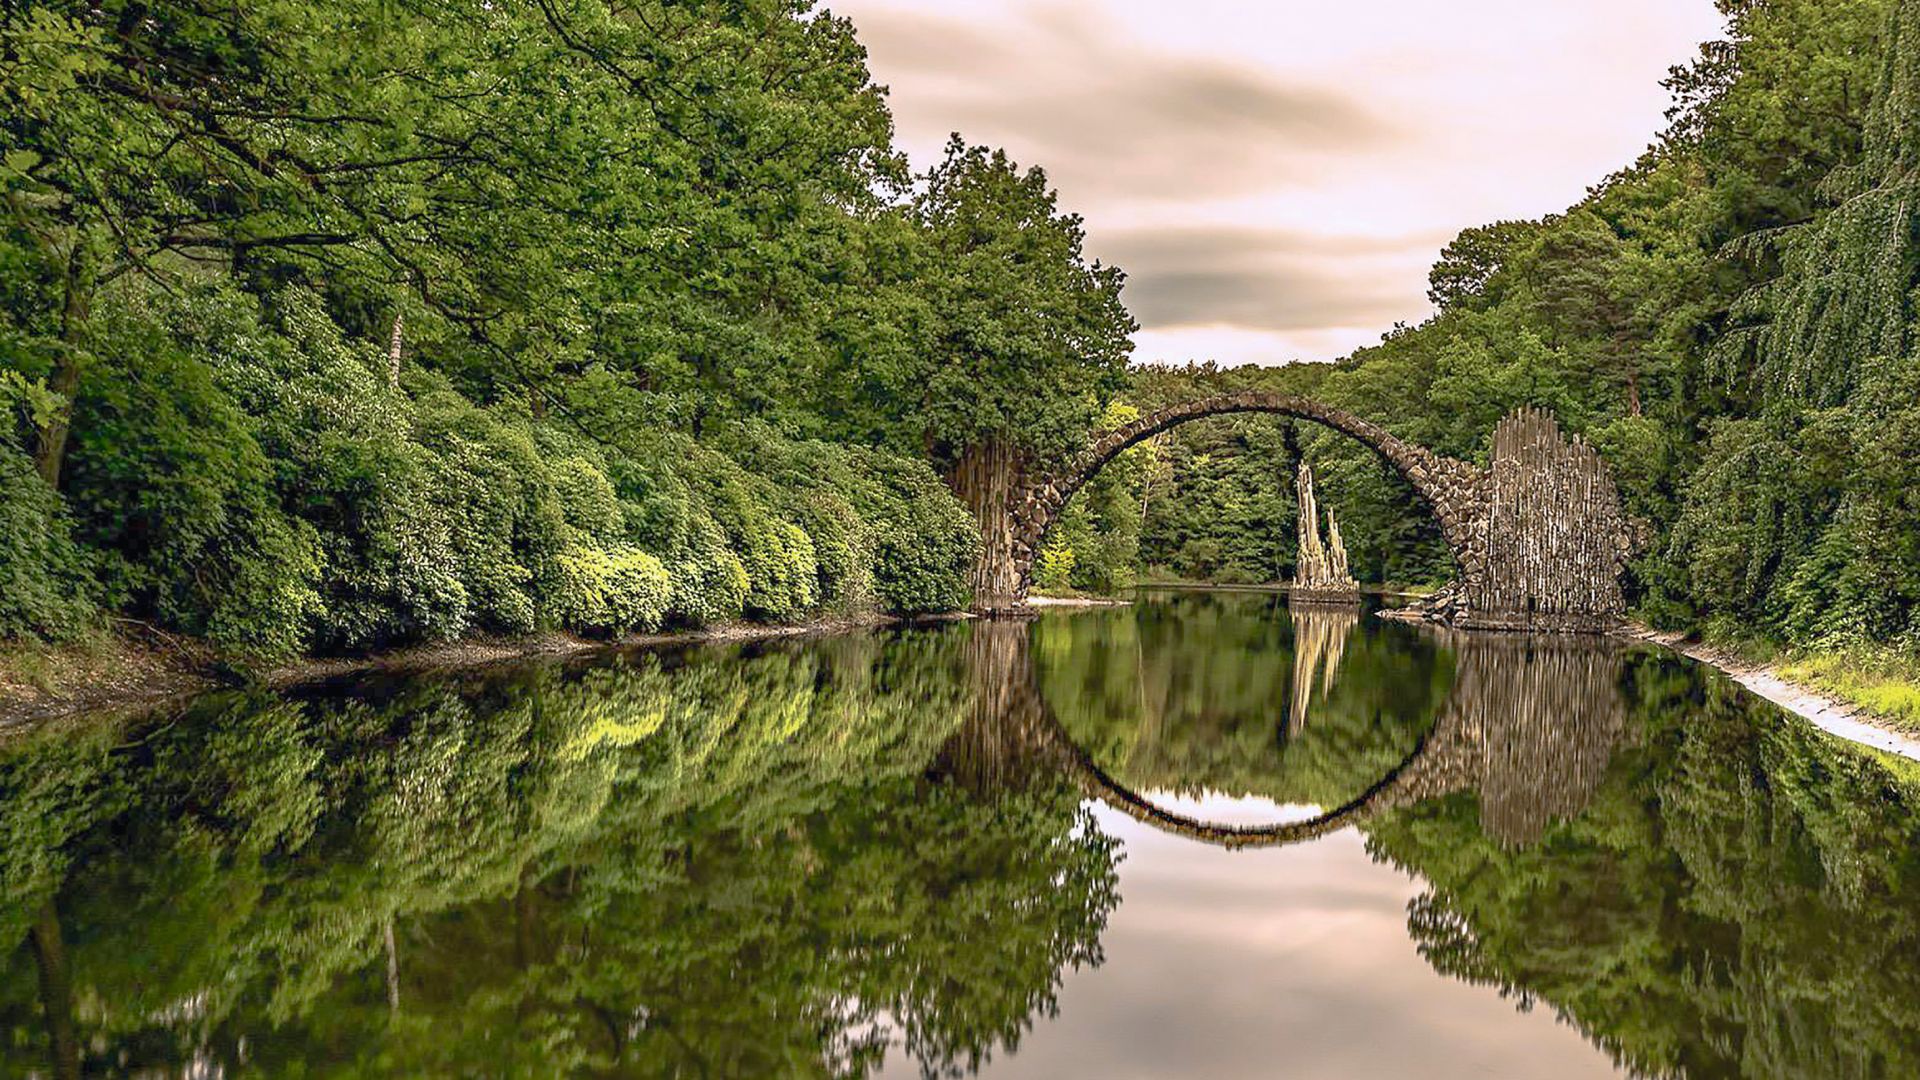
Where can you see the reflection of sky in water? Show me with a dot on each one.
(1277, 963)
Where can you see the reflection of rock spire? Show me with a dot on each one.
(1530, 726)
(1319, 641)
(1543, 716)
(994, 750)
(1323, 574)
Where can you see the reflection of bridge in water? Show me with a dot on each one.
(1530, 725)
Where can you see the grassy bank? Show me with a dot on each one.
(1882, 681)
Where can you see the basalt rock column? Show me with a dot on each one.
(1553, 536)
(990, 480)
(1322, 576)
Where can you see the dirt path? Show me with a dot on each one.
(1822, 711)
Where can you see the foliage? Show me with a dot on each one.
(722, 840)
(1733, 891)
(1729, 320)
(1030, 334)
(1095, 544)
(46, 580)
(259, 477)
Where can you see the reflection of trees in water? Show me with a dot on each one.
(1528, 723)
(706, 862)
(1699, 885)
(783, 863)
(1191, 696)
(1740, 897)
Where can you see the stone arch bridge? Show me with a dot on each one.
(1537, 536)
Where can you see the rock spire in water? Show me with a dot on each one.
(1323, 573)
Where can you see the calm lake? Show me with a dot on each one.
(1200, 836)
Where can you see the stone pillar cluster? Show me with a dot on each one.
(1322, 575)
(1552, 532)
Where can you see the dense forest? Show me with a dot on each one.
(607, 317)
(588, 316)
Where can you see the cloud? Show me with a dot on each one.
(1122, 119)
(1269, 279)
(1277, 178)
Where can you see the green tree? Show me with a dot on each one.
(1028, 338)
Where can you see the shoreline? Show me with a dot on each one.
(1076, 602)
(134, 671)
(1829, 714)
(144, 668)
(1366, 591)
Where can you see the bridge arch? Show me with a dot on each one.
(1453, 488)
(1538, 536)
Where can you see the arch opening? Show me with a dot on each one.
(1451, 489)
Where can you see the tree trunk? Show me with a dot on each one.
(51, 452)
(393, 967)
(56, 992)
(988, 479)
(393, 352)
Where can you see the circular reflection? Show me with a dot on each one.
(1528, 725)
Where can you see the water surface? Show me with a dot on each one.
(1201, 836)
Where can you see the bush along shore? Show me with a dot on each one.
(256, 489)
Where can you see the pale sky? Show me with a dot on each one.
(1277, 177)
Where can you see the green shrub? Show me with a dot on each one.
(504, 519)
(616, 590)
(782, 573)
(252, 473)
(919, 540)
(1054, 568)
(656, 499)
(925, 542)
(270, 604)
(842, 551)
(46, 580)
(166, 474)
(587, 499)
(709, 583)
